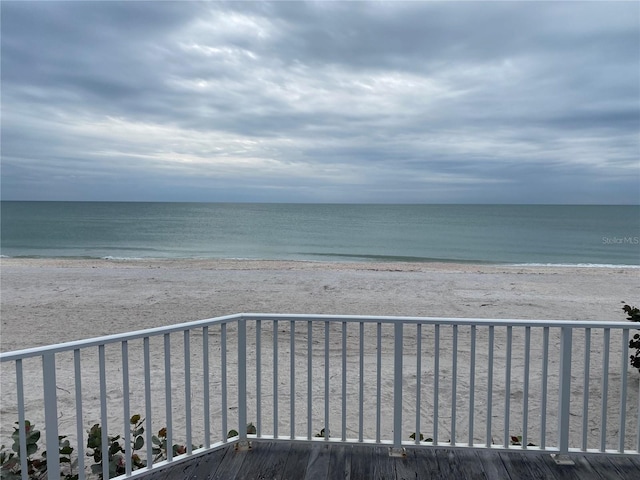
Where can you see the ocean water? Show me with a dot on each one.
(507, 234)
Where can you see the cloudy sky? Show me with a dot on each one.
(385, 102)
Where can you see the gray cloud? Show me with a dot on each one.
(322, 101)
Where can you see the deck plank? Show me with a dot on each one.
(427, 464)
(603, 474)
(319, 458)
(204, 468)
(265, 460)
(319, 461)
(626, 468)
(297, 463)
(340, 463)
(228, 468)
(492, 465)
(406, 468)
(361, 462)
(383, 468)
(534, 467)
(466, 466)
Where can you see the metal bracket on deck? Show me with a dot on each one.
(562, 459)
(243, 446)
(397, 452)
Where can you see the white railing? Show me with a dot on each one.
(538, 386)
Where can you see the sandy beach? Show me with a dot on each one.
(101, 297)
(45, 301)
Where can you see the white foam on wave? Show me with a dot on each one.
(575, 265)
(110, 257)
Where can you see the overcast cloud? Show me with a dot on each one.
(393, 102)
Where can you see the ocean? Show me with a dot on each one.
(590, 235)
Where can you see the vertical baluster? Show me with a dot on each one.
(223, 380)
(167, 394)
(361, 387)
(490, 386)
(292, 379)
(242, 379)
(344, 381)
(545, 379)
(525, 399)
(454, 384)
(309, 379)
(585, 387)
(507, 386)
(79, 416)
(564, 394)
(326, 380)
(605, 389)
(205, 379)
(51, 410)
(275, 379)
(436, 383)
(258, 378)
(379, 380)
(103, 411)
(397, 386)
(126, 407)
(147, 400)
(418, 380)
(21, 417)
(472, 383)
(623, 389)
(187, 389)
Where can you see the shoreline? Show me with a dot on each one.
(277, 263)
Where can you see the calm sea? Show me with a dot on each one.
(511, 234)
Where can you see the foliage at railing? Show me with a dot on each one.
(10, 459)
(634, 343)
(251, 430)
(117, 464)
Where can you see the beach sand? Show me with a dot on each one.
(45, 301)
(100, 297)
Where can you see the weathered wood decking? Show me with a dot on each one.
(299, 461)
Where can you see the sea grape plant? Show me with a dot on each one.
(10, 460)
(116, 459)
(634, 344)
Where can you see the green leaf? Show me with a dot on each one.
(31, 449)
(139, 443)
(135, 419)
(67, 450)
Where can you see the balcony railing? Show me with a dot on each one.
(536, 386)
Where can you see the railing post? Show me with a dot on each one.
(243, 444)
(51, 415)
(564, 396)
(397, 450)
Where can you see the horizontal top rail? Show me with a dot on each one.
(117, 337)
(120, 337)
(506, 322)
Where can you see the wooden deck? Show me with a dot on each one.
(299, 461)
